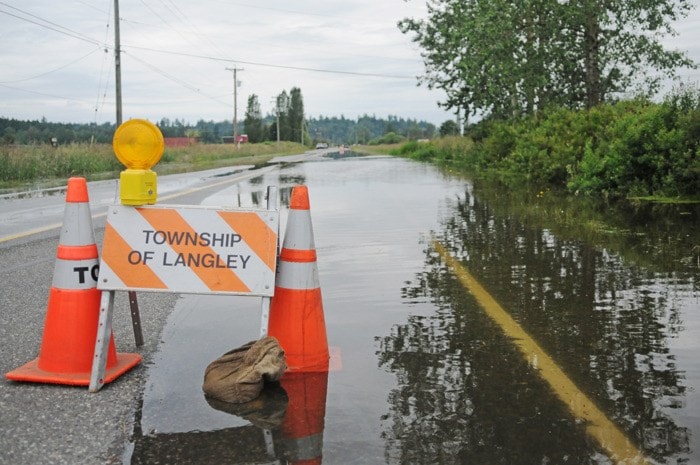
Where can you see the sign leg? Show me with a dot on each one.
(104, 333)
(265, 307)
(264, 316)
(136, 318)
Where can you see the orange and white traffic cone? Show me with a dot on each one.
(70, 328)
(302, 430)
(296, 309)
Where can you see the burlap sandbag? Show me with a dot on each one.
(239, 375)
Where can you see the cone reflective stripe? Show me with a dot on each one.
(72, 315)
(296, 309)
(76, 258)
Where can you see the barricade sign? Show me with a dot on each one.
(189, 249)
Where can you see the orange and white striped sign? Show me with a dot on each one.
(190, 249)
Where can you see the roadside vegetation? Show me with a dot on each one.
(546, 80)
(628, 149)
(45, 165)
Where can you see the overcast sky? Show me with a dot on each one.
(347, 57)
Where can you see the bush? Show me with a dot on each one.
(646, 149)
(388, 138)
(446, 150)
(629, 148)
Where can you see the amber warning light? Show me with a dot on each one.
(138, 145)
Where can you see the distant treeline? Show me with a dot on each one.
(367, 129)
(13, 131)
(332, 130)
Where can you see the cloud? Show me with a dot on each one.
(347, 58)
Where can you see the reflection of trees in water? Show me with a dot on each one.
(456, 402)
(464, 392)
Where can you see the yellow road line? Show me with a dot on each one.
(609, 436)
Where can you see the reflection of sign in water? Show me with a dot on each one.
(189, 249)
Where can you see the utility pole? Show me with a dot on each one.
(278, 124)
(276, 102)
(117, 63)
(235, 102)
(133, 300)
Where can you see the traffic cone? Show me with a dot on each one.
(301, 435)
(296, 309)
(70, 328)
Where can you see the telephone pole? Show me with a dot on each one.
(117, 63)
(276, 102)
(235, 102)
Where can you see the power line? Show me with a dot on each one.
(270, 65)
(176, 80)
(184, 19)
(80, 36)
(49, 25)
(53, 70)
(43, 94)
(105, 60)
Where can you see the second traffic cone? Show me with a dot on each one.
(70, 328)
(296, 309)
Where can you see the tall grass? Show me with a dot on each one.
(23, 164)
(30, 164)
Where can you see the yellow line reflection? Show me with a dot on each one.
(608, 435)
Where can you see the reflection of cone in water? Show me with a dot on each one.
(302, 430)
(73, 309)
(296, 310)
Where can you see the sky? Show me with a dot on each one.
(347, 57)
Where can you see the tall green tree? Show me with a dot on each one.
(506, 57)
(282, 110)
(295, 114)
(253, 121)
(449, 128)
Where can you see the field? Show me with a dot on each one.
(34, 166)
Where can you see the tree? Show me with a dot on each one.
(507, 57)
(449, 128)
(282, 110)
(295, 114)
(253, 122)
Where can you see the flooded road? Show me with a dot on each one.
(423, 373)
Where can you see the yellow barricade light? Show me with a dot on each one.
(138, 145)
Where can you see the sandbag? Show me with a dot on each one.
(239, 375)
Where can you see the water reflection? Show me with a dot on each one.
(466, 395)
(286, 426)
(343, 153)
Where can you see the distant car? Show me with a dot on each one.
(321, 145)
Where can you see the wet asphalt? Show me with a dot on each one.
(53, 424)
(58, 424)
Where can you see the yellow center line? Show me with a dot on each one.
(618, 447)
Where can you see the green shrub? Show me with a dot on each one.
(628, 148)
(388, 138)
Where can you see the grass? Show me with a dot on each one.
(40, 166)
(660, 199)
(382, 149)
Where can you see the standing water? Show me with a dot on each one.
(423, 374)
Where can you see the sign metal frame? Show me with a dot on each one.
(265, 291)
